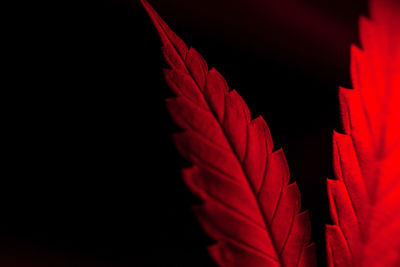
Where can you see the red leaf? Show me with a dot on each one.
(365, 198)
(248, 207)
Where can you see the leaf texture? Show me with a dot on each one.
(365, 197)
(248, 205)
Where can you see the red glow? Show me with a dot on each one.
(366, 195)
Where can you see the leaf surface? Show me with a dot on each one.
(365, 197)
(248, 205)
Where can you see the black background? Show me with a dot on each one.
(91, 174)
